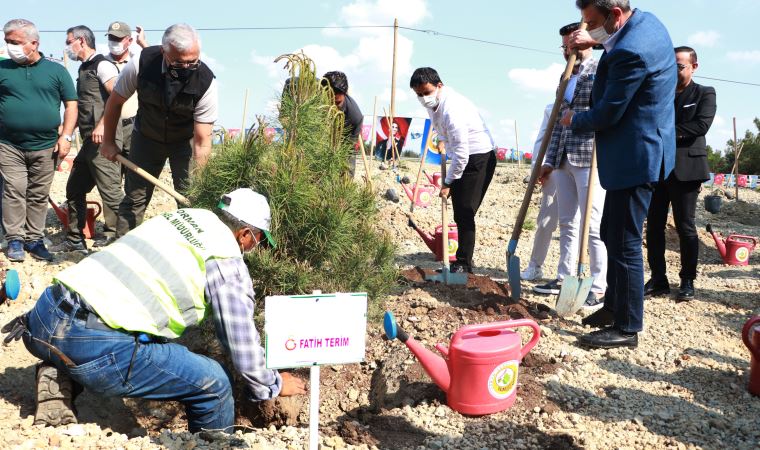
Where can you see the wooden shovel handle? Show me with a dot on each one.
(583, 257)
(545, 143)
(419, 176)
(444, 209)
(155, 181)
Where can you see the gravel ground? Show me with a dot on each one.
(684, 387)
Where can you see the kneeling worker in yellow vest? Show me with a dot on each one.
(106, 323)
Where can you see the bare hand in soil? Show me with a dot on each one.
(291, 385)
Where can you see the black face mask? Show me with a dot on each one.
(181, 74)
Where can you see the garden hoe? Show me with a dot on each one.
(513, 261)
(575, 289)
(445, 277)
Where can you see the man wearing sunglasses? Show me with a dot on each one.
(177, 101)
(695, 111)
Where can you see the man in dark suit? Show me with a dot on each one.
(634, 120)
(695, 110)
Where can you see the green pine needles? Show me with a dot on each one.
(325, 224)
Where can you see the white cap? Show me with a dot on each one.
(250, 207)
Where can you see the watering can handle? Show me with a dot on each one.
(497, 326)
(100, 208)
(745, 336)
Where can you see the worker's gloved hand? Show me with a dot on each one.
(291, 385)
(14, 329)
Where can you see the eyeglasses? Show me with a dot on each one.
(681, 67)
(192, 65)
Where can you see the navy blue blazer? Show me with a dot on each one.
(632, 110)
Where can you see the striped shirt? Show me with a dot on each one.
(576, 146)
(229, 290)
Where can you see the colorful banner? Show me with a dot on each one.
(729, 180)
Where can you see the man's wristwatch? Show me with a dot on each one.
(68, 137)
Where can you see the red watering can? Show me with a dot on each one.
(62, 212)
(435, 180)
(479, 370)
(751, 338)
(425, 194)
(735, 249)
(434, 241)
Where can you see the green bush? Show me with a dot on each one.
(324, 223)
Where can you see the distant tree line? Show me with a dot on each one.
(749, 159)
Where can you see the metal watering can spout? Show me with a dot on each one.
(435, 366)
(719, 243)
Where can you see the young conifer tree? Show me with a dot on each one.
(325, 225)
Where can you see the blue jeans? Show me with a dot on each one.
(161, 371)
(621, 231)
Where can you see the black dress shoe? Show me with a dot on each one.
(600, 319)
(656, 288)
(609, 337)
(686, 291)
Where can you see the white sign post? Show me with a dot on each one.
(314, 330)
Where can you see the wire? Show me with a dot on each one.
(429, 32)
(326, 27)
(482, 41)
(746, 83)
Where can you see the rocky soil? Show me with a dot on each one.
(684, 387)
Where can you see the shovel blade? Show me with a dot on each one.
(446, 277)
(513, 274)
(572, 295)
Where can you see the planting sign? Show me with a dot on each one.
(308, 330)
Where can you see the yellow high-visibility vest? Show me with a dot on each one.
(153, 278)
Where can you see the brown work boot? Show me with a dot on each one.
(54, 399)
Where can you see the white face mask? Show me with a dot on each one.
(116, 48)
(70, 53)
(16, 52)
(600, 34)
(429, 101)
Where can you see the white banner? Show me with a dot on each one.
(307, 330)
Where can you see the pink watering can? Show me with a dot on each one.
(435, 180)
(425, 194)
(433, 241)
(735, 249)
(479, 370)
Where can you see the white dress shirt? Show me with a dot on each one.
(461, 128)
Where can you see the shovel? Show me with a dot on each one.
(574, 290)
(445, 276)
(513, 261)
(155, 181)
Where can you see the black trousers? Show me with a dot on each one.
(466, 195)
(151, 156)
(682, 195)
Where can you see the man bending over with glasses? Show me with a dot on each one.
(177, 101)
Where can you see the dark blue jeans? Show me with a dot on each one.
(161, 371)
(621, 231)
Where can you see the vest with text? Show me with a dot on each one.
(153, 279)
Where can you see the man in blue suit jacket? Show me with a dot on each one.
(634, 120)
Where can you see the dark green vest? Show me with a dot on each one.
(166, 106)
(92, 96)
